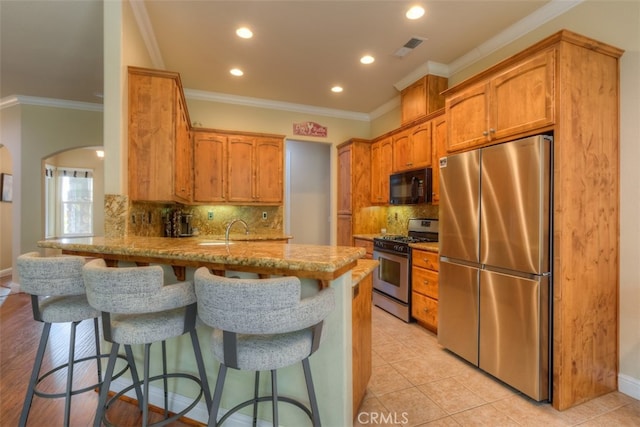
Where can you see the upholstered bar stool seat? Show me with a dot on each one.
(262, 325)
(57, 296)
(138, 309)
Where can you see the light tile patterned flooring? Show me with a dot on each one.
(415, 382)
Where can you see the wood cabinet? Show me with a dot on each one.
(354, 187)
(412, 148)
(159, 146)
(381, 168)
(183, 184)
(514, 102)
(439, 148)
(361, 338)
(566, 85)
(424, 283)
(366, 244)
(254, 169)
(422, 97)
(237, 167)
(210, 167)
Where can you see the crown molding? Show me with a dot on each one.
(224, 98)
(527, 24)
(428, 67)
(146, 31)
(13, 100)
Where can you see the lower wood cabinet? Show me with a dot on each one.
(366, 244)
(424, 282)
(361, 339)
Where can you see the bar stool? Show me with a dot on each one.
(137, 309)
(260, 325)
(57, 296)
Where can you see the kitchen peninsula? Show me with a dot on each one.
(315, 265)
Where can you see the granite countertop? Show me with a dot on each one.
(362, 269)
(366, 236)
(426, 246)
(313, 261)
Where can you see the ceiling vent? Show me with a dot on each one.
(409, 46)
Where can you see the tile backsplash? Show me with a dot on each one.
(147, 219)
(123, 217)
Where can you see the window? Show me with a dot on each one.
(69, 204)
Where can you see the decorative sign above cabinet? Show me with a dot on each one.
(310, 129)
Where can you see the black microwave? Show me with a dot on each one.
(410, 187)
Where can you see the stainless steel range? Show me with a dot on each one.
(392, 283)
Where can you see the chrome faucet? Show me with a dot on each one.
(246, 228)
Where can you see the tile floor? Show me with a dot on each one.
(415, 382)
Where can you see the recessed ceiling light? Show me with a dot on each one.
(236, 72)
(244, 33)
(367, 59)
(415, 12)
(336, 89)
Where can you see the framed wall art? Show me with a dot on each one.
(6, 187)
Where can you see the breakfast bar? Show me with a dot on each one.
(317, 266)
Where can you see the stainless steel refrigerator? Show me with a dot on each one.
(495, 261)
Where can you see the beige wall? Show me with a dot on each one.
(6, 217)
(46, 131)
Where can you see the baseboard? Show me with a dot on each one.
(6, 272)
(629, 386)
(178, 402)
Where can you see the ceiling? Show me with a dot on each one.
(300, 49)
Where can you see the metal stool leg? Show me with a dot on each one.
(195, 342)
(37, 364)
(96, 330)
(134, 374)
(104, 390)
(164, 380)
(312, 394)
(274, 391)
(72, 348)
(145, 391)
(255, 398)
(217, 396)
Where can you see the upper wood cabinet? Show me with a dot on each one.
(439, 147)
(255, 171)
(209, 167)
(183, 184)
(412, 148)
(159, 148)
(354, 187)
(516, 101)
(381, 168)
(422, 97)
(235, 167)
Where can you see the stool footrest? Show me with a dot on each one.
(165, 421)
(93, 386)
(265, 399)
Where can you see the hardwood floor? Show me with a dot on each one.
(19, 337)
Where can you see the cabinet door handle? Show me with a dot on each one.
(485, 133)
(426, 282)
(492, 130)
